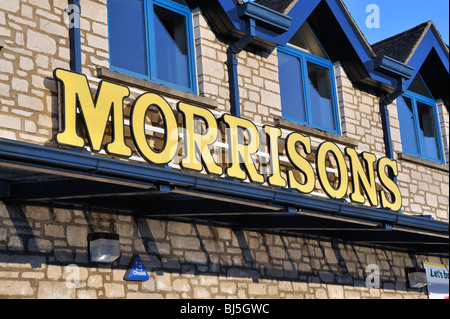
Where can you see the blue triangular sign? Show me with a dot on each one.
(137, 271)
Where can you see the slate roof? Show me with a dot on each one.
(401, 46)
(277, 5)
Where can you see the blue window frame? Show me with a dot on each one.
(307, 85)
(419, 125)
(153, 40)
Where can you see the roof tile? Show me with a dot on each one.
(401, 46)
(277, 5)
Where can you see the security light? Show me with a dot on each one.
(103, 247)
(417, 278)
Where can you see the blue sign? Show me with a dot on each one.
(137, 271)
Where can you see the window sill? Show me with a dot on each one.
(347, 141)
(424, 162)
(107, 74)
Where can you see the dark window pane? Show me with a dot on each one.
(304, 38)
(171, 47)
(321, 96)
(127, 39)
(407, 126)
(427, 131)
(419, 87)
(291, 87)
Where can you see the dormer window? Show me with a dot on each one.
(308, 93)
(419, 126)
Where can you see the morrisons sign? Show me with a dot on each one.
(360, 177)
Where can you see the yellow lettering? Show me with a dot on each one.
(273, 134)
(138, 113)
(321, 158)
(389, 184)
(198, 143)
(95, 116)
(201, 132)
(359, 175)
(300, 163)
(240, 152)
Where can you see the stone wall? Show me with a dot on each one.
(43, 254)
(423, 184)
(257, 76)
(39, 245)
(36, 39)
(444, 122)
(360, 114)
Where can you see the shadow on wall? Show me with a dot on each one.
(40, 236)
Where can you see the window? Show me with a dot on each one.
(152, 40)
(419, 128)
(308, 94)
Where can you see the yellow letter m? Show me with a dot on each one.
(95, 115)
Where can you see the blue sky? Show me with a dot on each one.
(396, 16)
